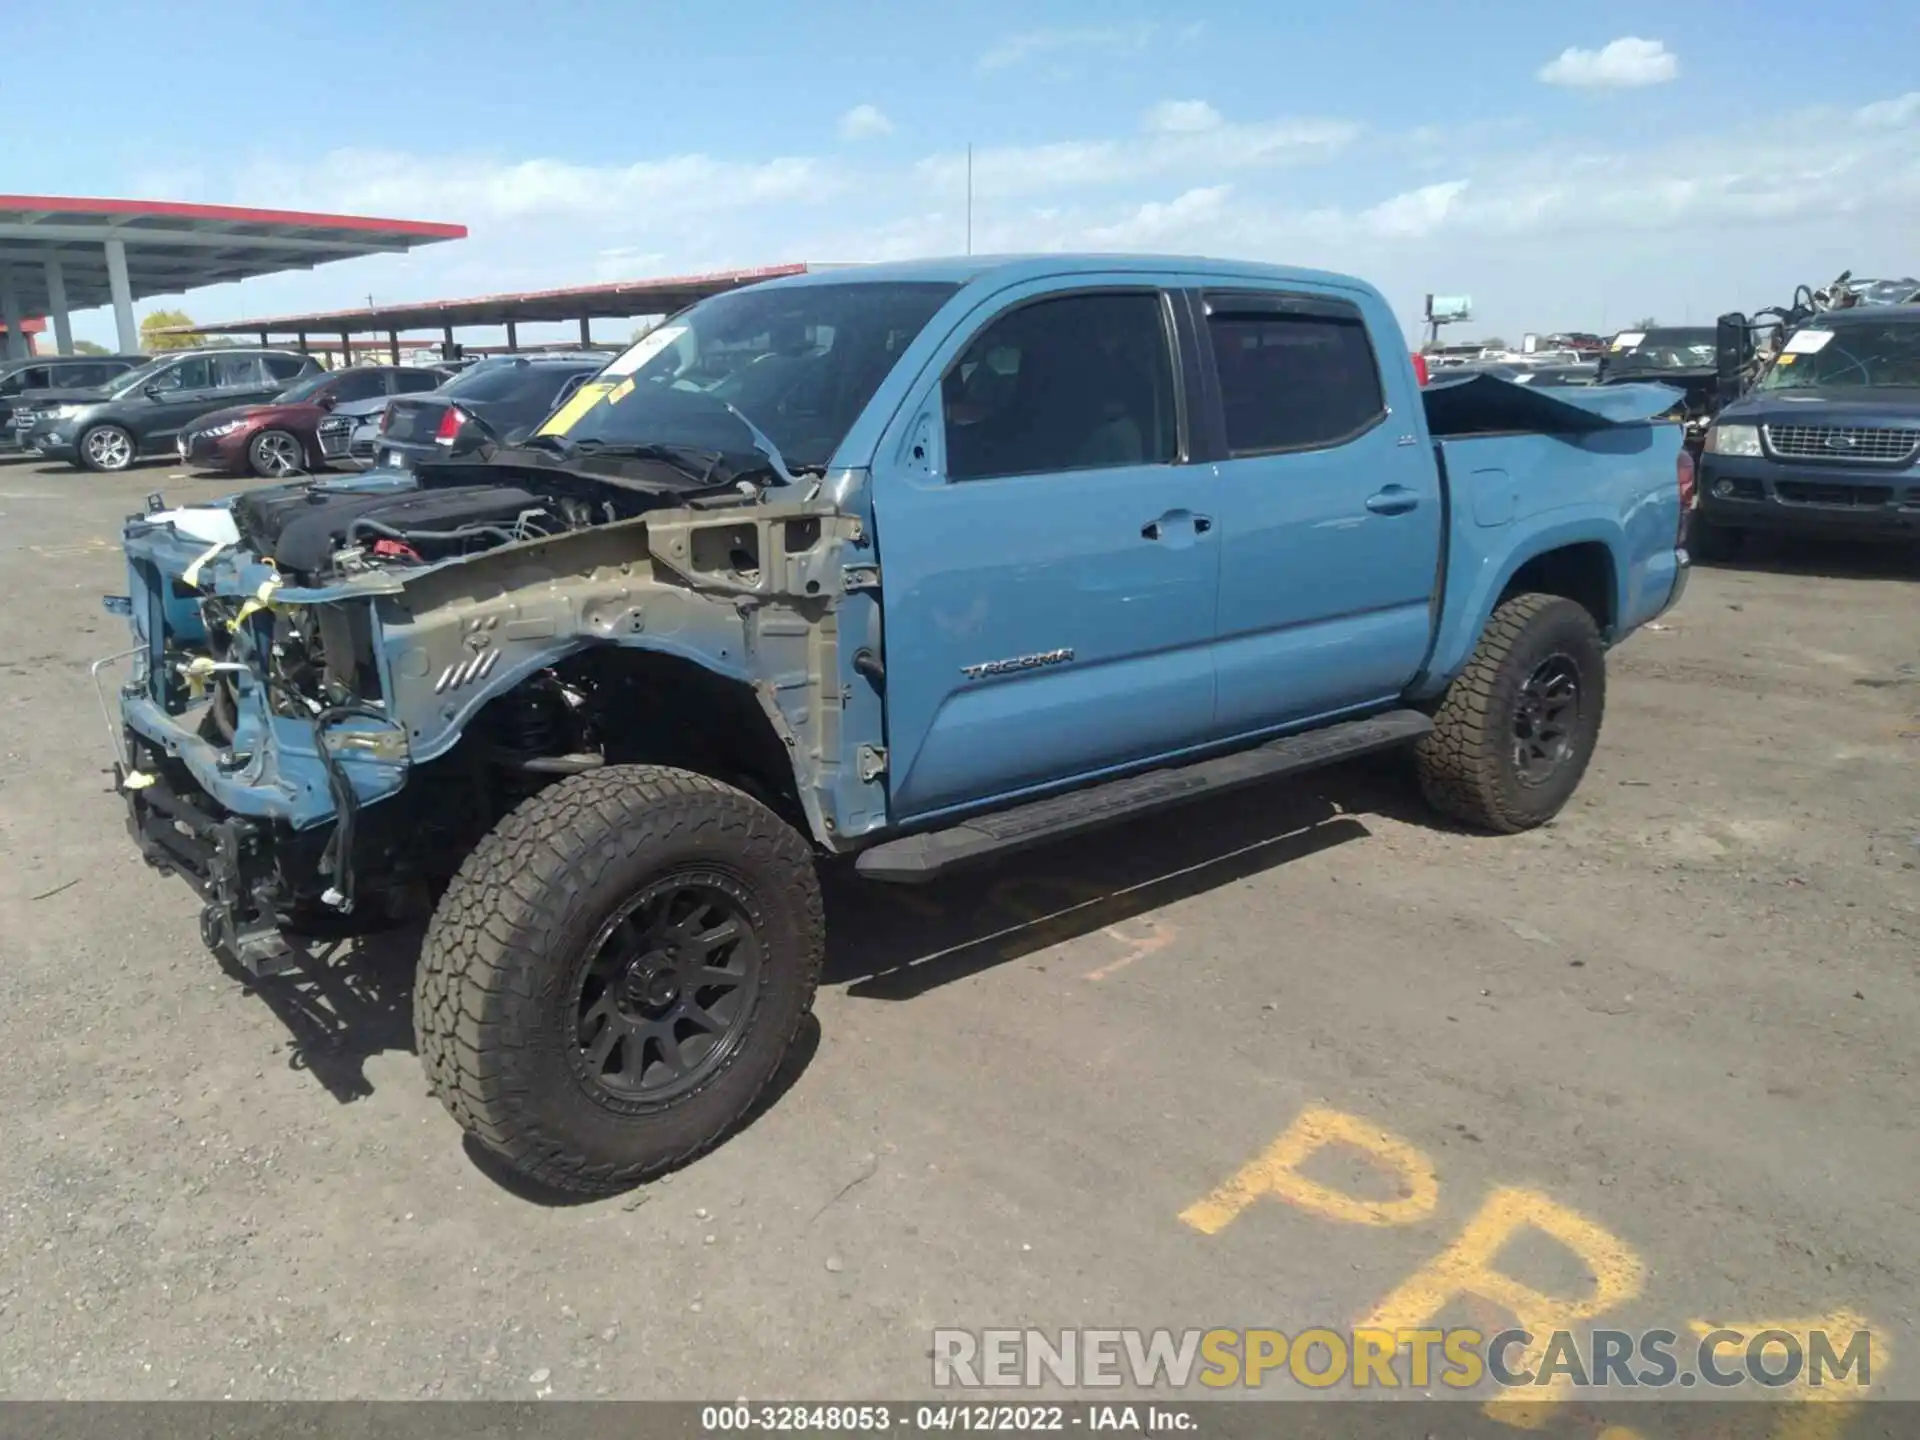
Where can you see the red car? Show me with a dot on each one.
(278, 438)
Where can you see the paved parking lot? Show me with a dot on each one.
(1667, 1044)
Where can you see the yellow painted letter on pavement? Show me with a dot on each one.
(1834, 1399)
(1466, 1267)
(1277, 1173)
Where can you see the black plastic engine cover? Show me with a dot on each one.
(300, 528)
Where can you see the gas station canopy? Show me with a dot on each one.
(59, 254)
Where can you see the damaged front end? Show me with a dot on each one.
(337, 687)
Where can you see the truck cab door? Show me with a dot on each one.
(1048, 556)
(1330, 504)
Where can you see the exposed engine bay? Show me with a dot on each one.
(316, 532)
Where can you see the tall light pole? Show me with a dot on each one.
(969, 197)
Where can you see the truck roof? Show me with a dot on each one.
(1013, 269)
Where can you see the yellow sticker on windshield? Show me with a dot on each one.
(620, 391)
(569, 414)
(1786, 359)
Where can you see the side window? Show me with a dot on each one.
(360, 385)
(85, 375)
(414, 382)
(1082, 382)
(195, 374)
(40, 377)
(240, 372)
(1294, 374)
(285, 367)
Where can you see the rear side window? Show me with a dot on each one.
(1082, 382)
(87, 373)
(1296, 373)
(285, 367)
(360, 385)
(240, 372)
(415, 382)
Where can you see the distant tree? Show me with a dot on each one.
(153, 341)
(87, 347)
(1646, 322)
(1493, 342)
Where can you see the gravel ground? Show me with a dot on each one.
(1684, 1014)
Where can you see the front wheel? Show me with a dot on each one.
(106, 448)
(276, 454)
(1517, 728)
(616, 973)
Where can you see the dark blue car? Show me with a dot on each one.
(1827, 443)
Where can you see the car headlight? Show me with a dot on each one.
(1733, 440)
(227, 428)
(65, 412)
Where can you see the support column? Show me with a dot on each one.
(57, 304)
(346, 350)
(303, 341)
(586, 333)
(393, 346)
(513, 336)
(122, 290)
(264, 342)
(10, 312)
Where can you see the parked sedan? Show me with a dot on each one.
(143, 411)
(281, 437)
(502, 396)
(350, 433)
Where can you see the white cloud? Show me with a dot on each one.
(1027, 45)
(864, 122)
(1155, 224)
(481, 190)
(1544, 231)
(1622, 63)
(1414, 213)
(1891, 114)
(1177, 117)
(1077, 164)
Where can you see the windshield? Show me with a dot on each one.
(126, 384)
(305, 389)
(1875, 356)
(1668, 350)
(796, 364)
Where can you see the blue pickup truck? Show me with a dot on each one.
(902, 567)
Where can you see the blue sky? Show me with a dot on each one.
(1567, 167)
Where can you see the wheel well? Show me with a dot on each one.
(656, 709)
(1581, 573)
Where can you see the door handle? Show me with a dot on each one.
(1393, 500)
(1156, 529)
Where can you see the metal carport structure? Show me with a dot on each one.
(59, 254)
(620, 300)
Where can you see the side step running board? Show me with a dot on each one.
(915, 858)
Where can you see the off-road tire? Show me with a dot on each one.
(493, 1013)
(83, 450)
(1466, 766)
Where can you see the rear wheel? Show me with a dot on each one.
(275, 453)
(107, 448)
(616, 973)
(1517, 728)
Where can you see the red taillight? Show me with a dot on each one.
(1419, 367)
(450, 425)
